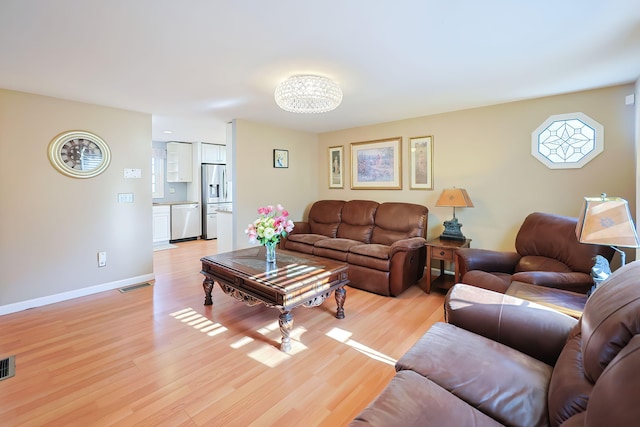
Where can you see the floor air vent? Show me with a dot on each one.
(7, 367)
(133, 287)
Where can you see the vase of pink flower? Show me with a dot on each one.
(271, 225)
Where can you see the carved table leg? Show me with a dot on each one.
(207, 284)
(286, 324)
(341, 295)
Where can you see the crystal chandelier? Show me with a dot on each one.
(308, 94)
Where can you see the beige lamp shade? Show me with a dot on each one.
(454, 197)
(606, 221)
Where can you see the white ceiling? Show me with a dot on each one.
(197, 64)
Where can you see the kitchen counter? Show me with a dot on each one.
(173, 203)
(224, 210)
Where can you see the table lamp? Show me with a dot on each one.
(607, 221)
(456, 198)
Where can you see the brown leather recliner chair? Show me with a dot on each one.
(501, 360)
(548, 254)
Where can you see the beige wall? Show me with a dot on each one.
(53, 226)
(488, 152)
(257, 183)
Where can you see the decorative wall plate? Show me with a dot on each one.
(79, 154)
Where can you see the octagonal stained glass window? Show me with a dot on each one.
(567, 141)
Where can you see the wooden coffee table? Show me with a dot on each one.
(293, 280)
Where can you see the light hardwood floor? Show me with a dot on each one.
(156, 356)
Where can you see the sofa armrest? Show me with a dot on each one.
(300, 227)
(406, 245)
(573, 281)
(528, 327)
(486, 260)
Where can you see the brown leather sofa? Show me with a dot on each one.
(383, 243)
(501, 360)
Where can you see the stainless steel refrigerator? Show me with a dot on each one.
(216, 194)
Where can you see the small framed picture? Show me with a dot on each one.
(376, 165)
(421, 163)
(280, 158)
(336, 167)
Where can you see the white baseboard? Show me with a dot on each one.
(51, 299)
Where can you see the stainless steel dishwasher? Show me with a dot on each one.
(185, 222)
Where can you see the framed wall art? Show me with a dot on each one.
(336, 167)
(280, 158)
(376, 165)
(421, 163)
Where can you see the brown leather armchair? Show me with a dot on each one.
(548, 254)
(503, 361)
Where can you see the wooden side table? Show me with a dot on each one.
(444, 250)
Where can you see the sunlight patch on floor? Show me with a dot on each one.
(345, 337)
(267, 353)
(272, 356)
(242, 342)
(198, 322)
(266, 330)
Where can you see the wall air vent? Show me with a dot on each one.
(7, 367)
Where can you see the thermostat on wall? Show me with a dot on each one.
(132, 173)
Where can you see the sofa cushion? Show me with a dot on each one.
(371, 250)
(412, 400)
(540, 263)
(501, 382)
(337, 248)
(337, 244)
(308, 239)
(397, 221)
(357, 220)
(303, 242)
(324, 217)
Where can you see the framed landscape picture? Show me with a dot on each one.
(421, 163)
(376, 165)
(336, 166)
(280, 158)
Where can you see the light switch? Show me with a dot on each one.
(125, 197)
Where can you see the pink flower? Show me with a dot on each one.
(271, 225)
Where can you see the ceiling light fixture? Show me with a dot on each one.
(308, 94)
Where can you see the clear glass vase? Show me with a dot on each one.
(271, 251)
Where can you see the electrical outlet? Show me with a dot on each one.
(102, 259)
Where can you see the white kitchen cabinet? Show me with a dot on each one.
(214, 153)
(161, 224)
(179, 162)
